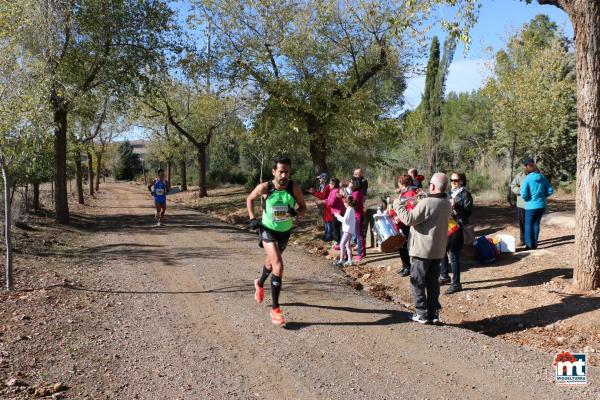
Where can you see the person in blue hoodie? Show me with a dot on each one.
(535, 188)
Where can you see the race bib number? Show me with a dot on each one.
(159, 192)
(280, 213)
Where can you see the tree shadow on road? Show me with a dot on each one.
(226, 289)
(392, 317)
(569, 306)
(297, 286)
(119, 223)
(534, 278)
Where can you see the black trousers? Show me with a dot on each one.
(424, 275)
(404, 249)
(521, 218)
(337, 230)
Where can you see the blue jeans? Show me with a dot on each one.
(329, 231)
(360, 239)
(532, 226)
(455, 245)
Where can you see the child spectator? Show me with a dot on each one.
(348, 229)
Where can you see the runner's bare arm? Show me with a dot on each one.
(258, 191)
(299, 200)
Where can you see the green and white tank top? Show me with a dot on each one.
(275, 214)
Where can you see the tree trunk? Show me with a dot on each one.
(183, 173)
(98, 170)
(90, 172)
(585, 16)
(79, 178)
(201, 153)
(27, 208)
(145, 176)
(61, 203)
(169, 170)
(36, 197)
(7, 233)
(318, 148)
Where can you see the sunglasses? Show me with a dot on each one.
(454, 180)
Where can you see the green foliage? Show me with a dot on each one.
(467, 130)
(129, 163)
(533, 98)
(433, 97)
(24, 123)
(478, 182)
(330, 72)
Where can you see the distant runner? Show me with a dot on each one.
(279, 197)
(159, 188)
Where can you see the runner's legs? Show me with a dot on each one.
(276, 262)
(160, 211)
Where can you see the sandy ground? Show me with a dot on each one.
(116, 308)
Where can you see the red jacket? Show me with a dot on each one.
(327, 214)
(335, 204)
(407, 194)
(359, 206)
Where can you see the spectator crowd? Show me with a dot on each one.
(434, 220)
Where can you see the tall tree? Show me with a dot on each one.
(88, 43)
(433, 96)
(196, 115)
(328, 64)
(585, 17)
(89, 118)
(129, 163)
(532, 97)
(23, 126)
(429, 110)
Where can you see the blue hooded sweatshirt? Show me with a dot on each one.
(535, 188)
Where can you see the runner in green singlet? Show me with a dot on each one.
(280, 197)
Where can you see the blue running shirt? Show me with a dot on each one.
(160, 191)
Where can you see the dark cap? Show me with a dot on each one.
(323, 176)
(528, 161)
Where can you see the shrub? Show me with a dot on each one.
(478, 182)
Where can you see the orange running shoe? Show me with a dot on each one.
(259, 293)
(277, 317)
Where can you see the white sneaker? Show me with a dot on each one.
(348, 264)
(158, 223)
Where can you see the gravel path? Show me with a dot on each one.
(187, 325)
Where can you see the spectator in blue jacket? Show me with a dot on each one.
(535, 188)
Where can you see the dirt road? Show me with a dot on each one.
(185, 324)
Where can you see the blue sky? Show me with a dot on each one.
(497, 20)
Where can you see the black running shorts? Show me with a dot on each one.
(270, 236)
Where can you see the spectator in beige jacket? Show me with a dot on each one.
(428, 237)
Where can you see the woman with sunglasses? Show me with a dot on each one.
(462, 206)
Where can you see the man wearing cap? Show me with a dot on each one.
(515, 188)
(535, 189)
(322, 194)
